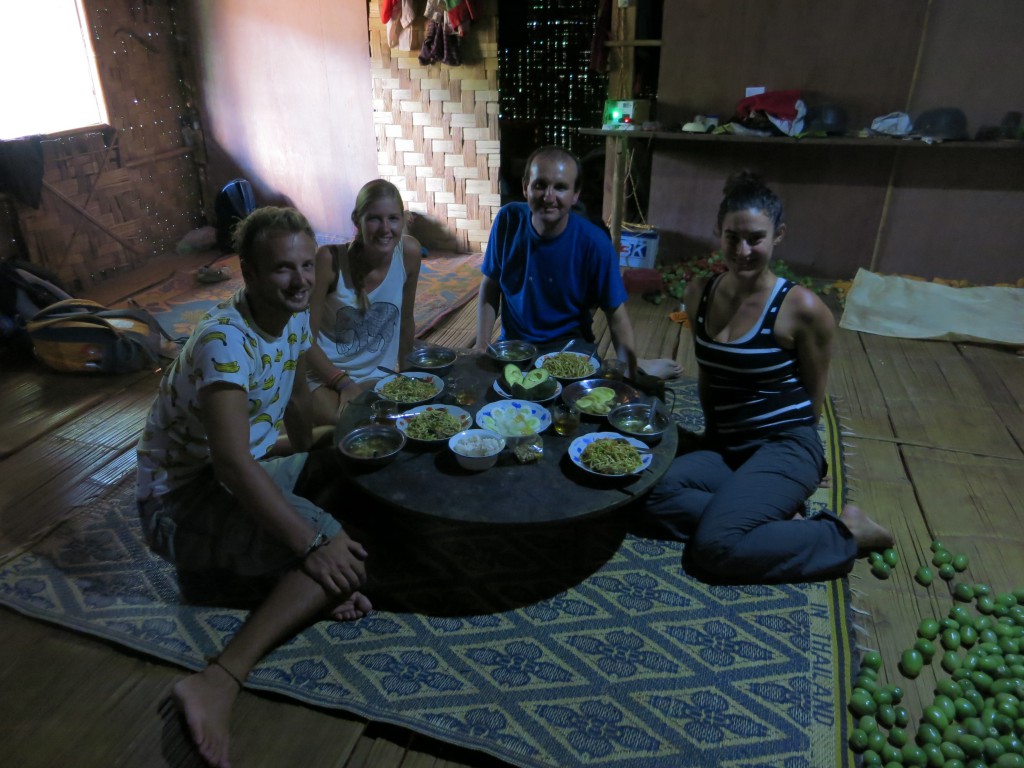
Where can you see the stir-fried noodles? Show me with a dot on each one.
(403, 389)
(433, 425)
(566, 365)
(610, 456)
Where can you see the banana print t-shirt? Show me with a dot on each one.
(226, 346)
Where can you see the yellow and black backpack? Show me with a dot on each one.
(82, 336)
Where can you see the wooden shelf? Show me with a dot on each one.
(831, 141)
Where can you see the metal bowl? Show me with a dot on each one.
(436, 360)
(372, 446)
(512, 351)
(631, 419)
(624, 393)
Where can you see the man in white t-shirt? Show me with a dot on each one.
(213, 499)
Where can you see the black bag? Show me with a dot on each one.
(233, 203)
(25, 290)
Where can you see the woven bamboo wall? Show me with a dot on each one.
(112, 199)
(437, 127)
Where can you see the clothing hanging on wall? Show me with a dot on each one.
(21, 169)
(400, 24)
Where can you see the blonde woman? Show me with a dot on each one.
(362, 305)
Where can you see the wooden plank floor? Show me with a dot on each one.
(935, 450)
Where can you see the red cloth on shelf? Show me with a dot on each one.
(387, 8)
(781, 104)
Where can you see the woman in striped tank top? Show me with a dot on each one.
(763, 345)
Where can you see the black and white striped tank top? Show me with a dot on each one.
(752, 385)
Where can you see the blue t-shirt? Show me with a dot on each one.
(550, 286)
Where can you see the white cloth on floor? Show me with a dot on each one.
(887, 305)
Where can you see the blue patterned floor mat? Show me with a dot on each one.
(567, 645)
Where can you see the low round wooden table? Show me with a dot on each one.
(428, 479)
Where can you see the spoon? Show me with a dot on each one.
(566, 347)
(395, 373)
(651, 413)
(641, 451)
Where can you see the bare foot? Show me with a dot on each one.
(357, 606)
(205, 700)
(662, 368)
(868, 534)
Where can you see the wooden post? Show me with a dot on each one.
(620, 88)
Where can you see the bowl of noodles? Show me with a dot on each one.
(609, 454)
(433, 423)
(569, 366)
(413, 388)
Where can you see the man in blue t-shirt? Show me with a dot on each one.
(548, 269)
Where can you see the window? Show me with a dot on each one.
(50, 80)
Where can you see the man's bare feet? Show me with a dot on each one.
(868, 534)
(205, 700)
(662, 368)
(357, 606)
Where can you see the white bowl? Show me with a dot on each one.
(514, 418)
(437, 381)
(595, 364)
(578, 445)
(464, 419)
(475, 460)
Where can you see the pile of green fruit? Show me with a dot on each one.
(534, 386)
(976, 718)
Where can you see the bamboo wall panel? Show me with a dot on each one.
(113, 197)
(437, 127)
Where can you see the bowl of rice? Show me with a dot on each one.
(476, 449)
(414, 388)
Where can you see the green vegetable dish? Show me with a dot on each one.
(611, 457)
(567, 365)
(402, 389)
(433, 425)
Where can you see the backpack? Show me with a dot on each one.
(233, 203)
(81, 336)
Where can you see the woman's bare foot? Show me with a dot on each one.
(662, 368)
(868, 534)
(205, 700)
(357, 606)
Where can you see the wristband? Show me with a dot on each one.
(320, 540)
(333, 384)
